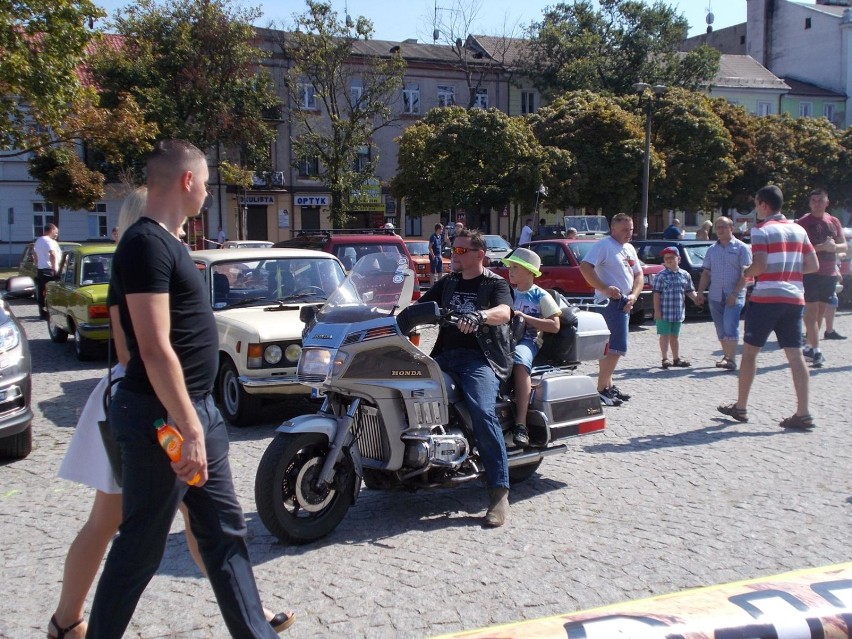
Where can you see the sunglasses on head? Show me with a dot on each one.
(461, 250)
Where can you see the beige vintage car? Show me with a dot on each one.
(256, 296)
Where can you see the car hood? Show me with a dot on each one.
(266, 325)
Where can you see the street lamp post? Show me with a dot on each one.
(657, 90)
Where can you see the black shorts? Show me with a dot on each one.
(819, 288)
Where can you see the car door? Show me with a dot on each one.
(57, 292)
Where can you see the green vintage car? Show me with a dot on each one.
(76, 301)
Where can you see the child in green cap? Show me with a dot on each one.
(541, 314)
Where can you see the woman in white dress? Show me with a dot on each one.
(86, 462)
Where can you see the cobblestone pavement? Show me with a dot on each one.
(671, 496)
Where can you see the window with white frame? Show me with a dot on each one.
(356, 90)
(411, 98)
(764, 108)
(98, 221)
(363, 158)
(828, 111)
(480, 100)
(527, 102)
(309, 167)
(305, 94)
(42, 216)
(446, 95)
(806, 109)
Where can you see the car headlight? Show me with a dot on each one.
(293, 352)
(272, 354)
(10, 336)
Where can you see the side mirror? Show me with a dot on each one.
(307, 314)
(20, 286)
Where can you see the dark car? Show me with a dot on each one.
(692, 254)
(560, 271)
(16, 416)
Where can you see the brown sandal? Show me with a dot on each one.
(681, 363)
(61, 632)
(666, 363)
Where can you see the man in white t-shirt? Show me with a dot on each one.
(526, 233)
(612, 267)
(47, 254)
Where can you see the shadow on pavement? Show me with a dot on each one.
(698, 437)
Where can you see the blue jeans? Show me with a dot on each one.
(480, 385)
(727, 318)
(151, 495)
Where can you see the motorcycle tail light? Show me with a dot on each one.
(98, 311)
(254, 356)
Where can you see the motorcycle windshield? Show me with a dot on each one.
(377, 286)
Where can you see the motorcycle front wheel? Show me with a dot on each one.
(289, 502)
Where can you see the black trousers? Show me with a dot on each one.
(150, 498)
(43, 276)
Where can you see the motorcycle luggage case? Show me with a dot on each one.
(570, 404)
(592, 336)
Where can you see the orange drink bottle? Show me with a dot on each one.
(172, 442)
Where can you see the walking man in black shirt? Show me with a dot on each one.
(172, 339)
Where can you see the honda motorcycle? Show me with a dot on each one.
(392, 418)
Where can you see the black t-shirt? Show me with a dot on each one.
(149, 259)
(464, 300)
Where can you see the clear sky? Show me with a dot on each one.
(402, 19)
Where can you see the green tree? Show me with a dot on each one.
(697, 151)
(333, 122)
(42, 44)
(797, 154)
(479, 158)
(608, 49)
(192, 68)
(65, 180)
(742, 127)
(595, 149)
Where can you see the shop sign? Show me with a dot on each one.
(368, 197)
(248, 200)
(312, 199)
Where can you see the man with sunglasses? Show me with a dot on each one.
(478, 354)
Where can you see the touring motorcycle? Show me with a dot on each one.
(392, 418)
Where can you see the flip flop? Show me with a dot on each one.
(282, 621)
(61, 632)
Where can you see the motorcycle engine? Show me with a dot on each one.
(450, 450)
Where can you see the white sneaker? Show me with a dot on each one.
(608, 398)
(808, 352)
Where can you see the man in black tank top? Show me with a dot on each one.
(173, 343)
(479, 354)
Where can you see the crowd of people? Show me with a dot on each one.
(165, 339)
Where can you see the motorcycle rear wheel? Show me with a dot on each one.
(522, 473)
(288, 501)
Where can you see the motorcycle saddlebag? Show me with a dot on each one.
(569, 404)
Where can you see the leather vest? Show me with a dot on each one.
(496, 342)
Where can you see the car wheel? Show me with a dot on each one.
(57, 334)
(85, 348)
(238, 407)
(17, 446)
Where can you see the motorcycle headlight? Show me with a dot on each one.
(10, 337)
(272, 354)
(315, 362)
(293, 352)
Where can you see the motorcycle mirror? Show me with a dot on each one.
(418, 315)
(307, 314)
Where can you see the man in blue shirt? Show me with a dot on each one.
(673, 231)
(436, 249)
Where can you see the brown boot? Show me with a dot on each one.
(498, 507)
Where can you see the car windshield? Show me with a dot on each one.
(587, 223)
(696, 253)
(496, 243)
(95, 269)
(377, 285)
(264, 281)
(349, 254)
(418, 248)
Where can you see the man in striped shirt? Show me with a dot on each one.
(781, 255)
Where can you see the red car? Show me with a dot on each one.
(560, 270)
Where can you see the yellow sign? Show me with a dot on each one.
(368, 197)
(806, 604)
